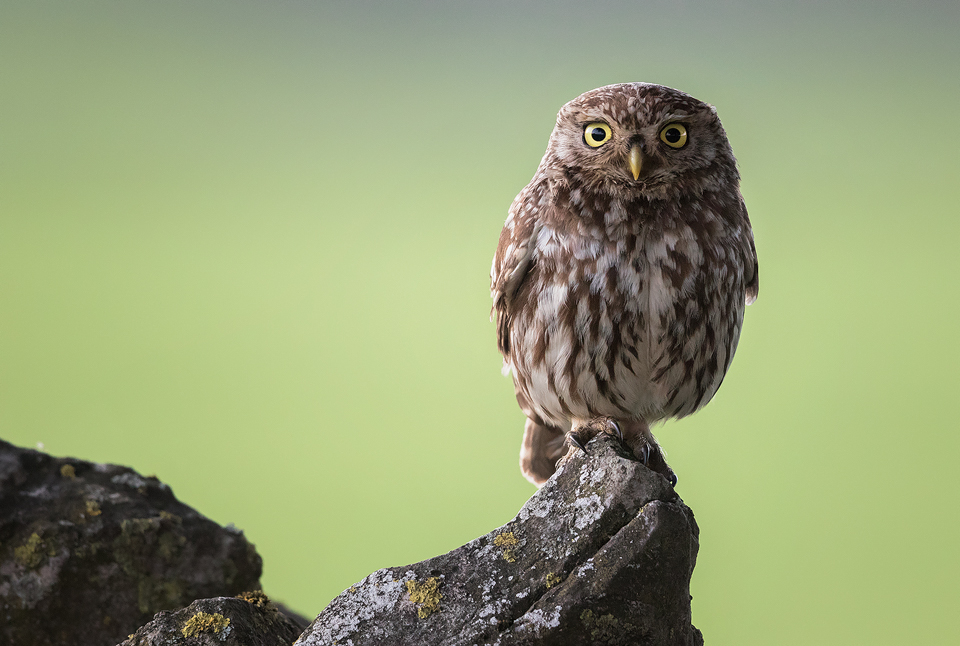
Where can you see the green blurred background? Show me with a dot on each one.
(245, 247)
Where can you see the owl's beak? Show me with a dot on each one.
(636, 161)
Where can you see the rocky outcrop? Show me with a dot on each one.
(90, 552)
(250, 620)
(602, 554)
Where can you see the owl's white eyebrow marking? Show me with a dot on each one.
(584, 119)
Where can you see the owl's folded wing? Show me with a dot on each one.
(511, 264)
(753, 276)
(751, 265)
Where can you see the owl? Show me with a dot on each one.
(622, 273)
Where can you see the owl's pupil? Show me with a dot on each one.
(597, 134)
(672, 135)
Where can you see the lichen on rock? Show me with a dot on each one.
(248, 620)
(33, 552)
(507, 542)
(92, 551)
(92, 508)
(204, 622)
(255, 597)
(425, 595)
(606, 629)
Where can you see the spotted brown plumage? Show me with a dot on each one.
(622, 272)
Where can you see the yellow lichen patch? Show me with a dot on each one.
(352, 588)
(170, 544)
(426, 595)
(552, 580)
(255, 597)
(93, 508)
(605, 628)
(31, 553)
(67, 471)
(204, 622)
(507, 542)
(166, 515)
(138, 526)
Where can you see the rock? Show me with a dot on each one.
(90, 552)
(300, 620)
(250, 620)
(602, 554)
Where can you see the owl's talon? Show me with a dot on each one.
(645, 454)
(651, 456)
(575, 440)
(616, 429)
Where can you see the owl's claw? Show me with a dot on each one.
(587, 432)
(657, 463)
(577, 442)
(642, 445)
(616, 429)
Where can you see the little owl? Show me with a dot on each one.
(622, 273)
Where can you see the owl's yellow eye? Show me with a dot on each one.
(597, 134)
(674, 135)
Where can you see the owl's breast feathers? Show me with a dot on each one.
(621, 307)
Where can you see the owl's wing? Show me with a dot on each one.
(512, 262)
(751, 266)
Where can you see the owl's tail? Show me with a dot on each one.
(542, 446)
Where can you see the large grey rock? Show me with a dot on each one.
(90, 552)
(251, 620)
(602, 554)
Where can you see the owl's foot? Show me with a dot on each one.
(652, 457)
(583, 433)
(635, 437)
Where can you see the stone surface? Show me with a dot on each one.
(602, 554)
(251, 620)
(90, 552)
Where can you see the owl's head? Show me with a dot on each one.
(640, 138)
